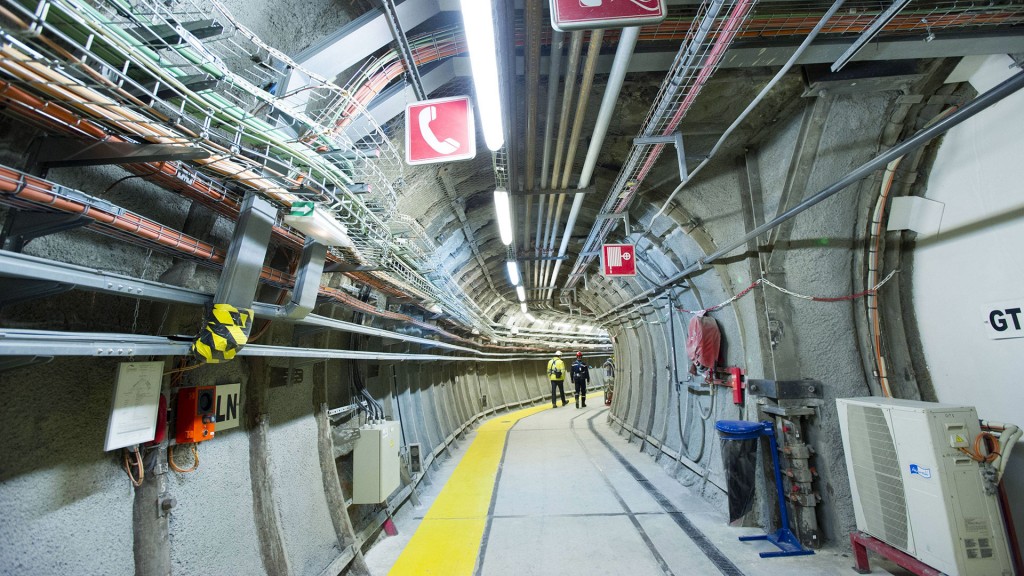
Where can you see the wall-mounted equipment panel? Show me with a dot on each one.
(375, 463)
(197, 416)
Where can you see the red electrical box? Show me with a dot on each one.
(196, 416)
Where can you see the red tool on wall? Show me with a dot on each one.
(703, 346)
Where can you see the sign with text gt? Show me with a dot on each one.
(1004, 319)
(439, 130)
(586, 14)
(618, 260)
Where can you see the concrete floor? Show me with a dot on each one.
(567, 503)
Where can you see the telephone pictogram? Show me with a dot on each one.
(448, 145)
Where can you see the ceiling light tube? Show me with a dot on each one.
(521, 293)
(319, 225)
(522, 306)
(504, 214)
(478, 22)
(513, 272)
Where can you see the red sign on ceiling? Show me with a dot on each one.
(618, 260)
(439, 130)
(586, 14)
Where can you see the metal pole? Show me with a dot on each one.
(980, 103)
(623, 54)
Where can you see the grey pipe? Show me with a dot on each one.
(575, 49)
(554, 73)
(532, 54)
(623, 54)
(593, 51)
(969, 110)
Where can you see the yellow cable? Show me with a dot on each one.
(138, 466)
(195, 455)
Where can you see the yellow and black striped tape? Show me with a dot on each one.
(224, 335)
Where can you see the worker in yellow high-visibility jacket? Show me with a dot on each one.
(556, 373)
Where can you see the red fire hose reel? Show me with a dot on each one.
(703, 345)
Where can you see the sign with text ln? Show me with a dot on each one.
(227, 406)
(618, 260)
(587, 14)
(440, 130)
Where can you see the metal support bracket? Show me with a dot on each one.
(248, 249)
(873, 29)
(677, 139)
(404, 50)
(53, 152)
(624, 216)
(24, 226)
(307, 282)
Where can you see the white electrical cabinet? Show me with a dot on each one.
(915, 490)
(375, 463)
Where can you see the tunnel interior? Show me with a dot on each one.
(845, 233)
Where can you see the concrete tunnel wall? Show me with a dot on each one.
(260, 487)
(827, 138)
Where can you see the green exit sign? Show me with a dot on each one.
(303, 208)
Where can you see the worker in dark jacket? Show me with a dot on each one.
(580, 376)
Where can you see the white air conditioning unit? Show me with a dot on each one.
(916, 491)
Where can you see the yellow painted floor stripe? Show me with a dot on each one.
(448, 540)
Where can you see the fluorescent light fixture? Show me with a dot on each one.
(513, 272)
(521, 292)
(504, 214)
(306, 217)
(530, 317)
(478, 22)
(522, 307)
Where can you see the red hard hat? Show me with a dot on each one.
(579, 354)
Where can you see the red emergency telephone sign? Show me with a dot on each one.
(618, 260)
(587, 14)
(440, 130)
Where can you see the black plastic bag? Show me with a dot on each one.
(740, 460)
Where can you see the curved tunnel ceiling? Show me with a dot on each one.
(443, 215)
(477, 262)
(457, 211)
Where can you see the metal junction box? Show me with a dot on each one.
(375, 463)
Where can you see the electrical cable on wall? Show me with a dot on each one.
(870, 291)
(140, 474)
(174, 466)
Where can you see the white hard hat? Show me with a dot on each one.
(559, 353)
